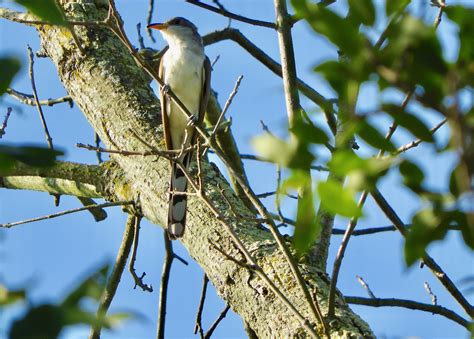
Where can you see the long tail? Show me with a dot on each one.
(178, 199)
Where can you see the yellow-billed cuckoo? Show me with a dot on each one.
(185, 70)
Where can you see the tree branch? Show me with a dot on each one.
(114, 279)
(432, 265)
(29, 99)
(231, 15)
(413, 305)
(236, 36)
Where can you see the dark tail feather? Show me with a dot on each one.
(177, 201)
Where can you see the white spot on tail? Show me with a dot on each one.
(176, 230)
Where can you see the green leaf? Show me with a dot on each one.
(392, 6)
(362, 12)
(307, 228)
(309, 133)
(8, 297)
(46, 10)
(373, 137)
(363, 173)
(462, 16)
(9, 67)
(340, 31)
(30, 155)
(338, 200)
(291, 154)
(344, 161)
(430, 225)
(91, 287)
(409, 121)
(413, 56)
(44, 321)
(413, 176)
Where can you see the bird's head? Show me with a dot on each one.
(177, 28)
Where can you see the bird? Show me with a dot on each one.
(186, 71)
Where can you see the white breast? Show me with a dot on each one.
(183, 72)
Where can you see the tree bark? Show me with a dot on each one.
(115, 96)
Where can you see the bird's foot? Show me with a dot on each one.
(166, 89)
(192, 121)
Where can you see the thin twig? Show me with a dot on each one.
(441, 4)
(114, 279)
(216, 323)
(131, 267)
(413, 305)
(165, 278)
(60, 214)
(151, 5)
(162, 153)
(433, 297)
(231, 15)
(415, 143)
(227, 104)
(257, 158)
(35, 95)
(198, 323)
(365, 286)
(98, 153)
(5, 122)
(140, 37)
(29, 99)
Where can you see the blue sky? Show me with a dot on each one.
(51, 256)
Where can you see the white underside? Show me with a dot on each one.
(183, 72)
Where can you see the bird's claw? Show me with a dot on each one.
(165, 89)
(192, 121)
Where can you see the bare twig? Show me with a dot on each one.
(114, 279)
(151, 5)
(35, 95)
(198, 325)
(138, 279)
(257, 158)
(140, 37)
(415, 143)
(60, 214)
(98, 153)
(434, 298)
(5, 122)
(227, 104)
(216, 323)
(230, 15)
(165, 278)
(365, 286)
(413, 305)
(29, 99)
(441, 4)
(165, 154)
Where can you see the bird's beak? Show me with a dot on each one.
(158, 26)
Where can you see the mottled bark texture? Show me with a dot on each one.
(115, 96)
